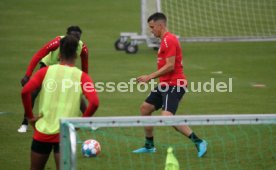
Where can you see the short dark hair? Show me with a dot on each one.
(68, 47)
(157, 16)
(74, 28)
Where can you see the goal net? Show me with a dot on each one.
(221, 20)
(206, 21)
(234, 142)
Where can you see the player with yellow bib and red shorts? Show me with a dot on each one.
(49, 55)
(57, 100)
(171, 87)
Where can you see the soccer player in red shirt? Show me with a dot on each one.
(171, 88)
(49, 55)
(58, 101)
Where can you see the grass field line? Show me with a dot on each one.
(196, 66)
(2, 113)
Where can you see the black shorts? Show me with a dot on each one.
(45, 147)
(168, 98)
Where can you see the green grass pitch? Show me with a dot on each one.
(27, 25)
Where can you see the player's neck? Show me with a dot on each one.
(163, 32)
(67, 62)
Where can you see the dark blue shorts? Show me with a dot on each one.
(166, 98)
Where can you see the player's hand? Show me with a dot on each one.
(143, 79)
(24, 80)
(33, 120)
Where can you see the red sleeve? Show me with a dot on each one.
(84, 59)
(170, 47)
(90, 94)
(50, 46)
(34, 83)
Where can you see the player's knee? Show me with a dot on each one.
(167, 113)
(143, 109)
(146, 109)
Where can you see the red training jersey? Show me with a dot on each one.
(169, 47)
(52, 46)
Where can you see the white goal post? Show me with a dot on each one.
(206, 21)
(68, 135)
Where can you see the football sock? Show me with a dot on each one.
(194, 138)
(24, 121)
(149, 142)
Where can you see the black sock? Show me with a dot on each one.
(194, 138)
(24, 121)
(149, 142)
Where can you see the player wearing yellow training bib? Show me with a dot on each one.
(57, 100)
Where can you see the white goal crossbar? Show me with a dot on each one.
(96, 122)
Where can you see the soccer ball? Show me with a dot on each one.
(91, 148)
